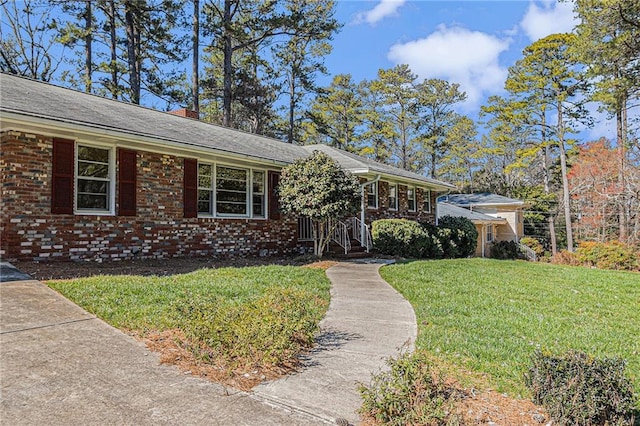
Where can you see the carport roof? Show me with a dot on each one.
(480, 199)
(446, 209)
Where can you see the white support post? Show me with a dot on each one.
(363, 204)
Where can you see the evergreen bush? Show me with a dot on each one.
(409, 393)
(458, 236)
(506, 250)
(401, 237)
(577, 389)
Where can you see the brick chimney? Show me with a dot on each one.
(184, 112)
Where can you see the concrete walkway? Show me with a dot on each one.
(367, 322)
(59, 365)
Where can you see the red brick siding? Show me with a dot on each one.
(383, 211)
(29, 230)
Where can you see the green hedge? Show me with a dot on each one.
(454, 237)
(401, 237)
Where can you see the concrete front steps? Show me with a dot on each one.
(356, 252)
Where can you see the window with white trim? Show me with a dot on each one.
(490, 233)
(258, 206)
(393, 196)
(231, 191)
(94, 179)
(226, 191)
(411, 199)
(426, 203)
(205, 189)
(372, 195)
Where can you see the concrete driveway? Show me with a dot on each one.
(60, 365)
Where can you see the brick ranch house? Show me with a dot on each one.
(88, 178)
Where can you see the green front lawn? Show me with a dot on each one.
(140, 303)
(488, 316)
(243, 318)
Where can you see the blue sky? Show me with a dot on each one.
(470, 42)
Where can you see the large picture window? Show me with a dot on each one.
(94, 179)
(230, 191)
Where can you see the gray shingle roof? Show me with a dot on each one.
(353, 162)
(30, 98)
(480, 199)
(42, 100)
(446, 209)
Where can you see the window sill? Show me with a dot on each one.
(203, 216)
(93, 213)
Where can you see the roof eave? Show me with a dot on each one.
(48, 125)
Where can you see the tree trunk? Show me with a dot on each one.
(227, 67)
(88, 41)
(292, 106)
(195, 78)
(113, 49)
(547, 184)
(131, 17)
(566, 197)
(621, 139)
(433, 165)
(318, 245)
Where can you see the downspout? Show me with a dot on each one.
(363, 206)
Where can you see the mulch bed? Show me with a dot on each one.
(45, 271)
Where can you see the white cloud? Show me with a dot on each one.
(548, 17)
(603, 126)
(457, 55)
(382, 10)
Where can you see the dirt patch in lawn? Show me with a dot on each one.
(172, 346)
(490, 407)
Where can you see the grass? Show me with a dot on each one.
(264, 316)
(488, 316)
(140, 303)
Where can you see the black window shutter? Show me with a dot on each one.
(274, 202)
(127, 177)
(190, 187)
(62, 176)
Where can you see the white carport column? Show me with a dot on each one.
(482, 238)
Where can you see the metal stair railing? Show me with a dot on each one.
(361, 233)
(528, 252)
(340, 235)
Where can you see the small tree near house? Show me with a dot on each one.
(317, 188)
